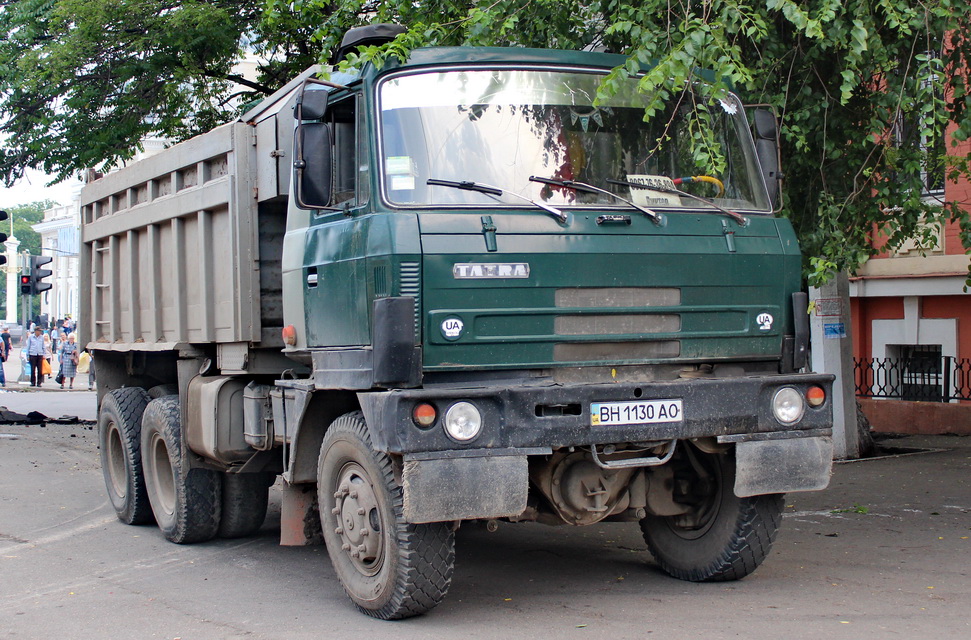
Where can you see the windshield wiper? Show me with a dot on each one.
(496, 191)
(655, 217)
(740, 219)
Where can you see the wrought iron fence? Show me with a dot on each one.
(923, 378)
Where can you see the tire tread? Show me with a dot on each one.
(130, 404)
(426, 552)
(756, 527)
(198, 491)
(244, 503)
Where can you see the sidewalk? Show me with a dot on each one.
(13, 368)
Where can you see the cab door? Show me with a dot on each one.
(336, 296)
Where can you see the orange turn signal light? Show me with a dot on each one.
(289, 335)
(815, 396)
(424, 415)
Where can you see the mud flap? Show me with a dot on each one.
(439, 490)
(782, 466)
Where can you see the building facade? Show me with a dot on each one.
(911, 314)
(60, 235)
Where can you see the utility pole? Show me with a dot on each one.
(12, 269)
(25, 292)
(832, 352)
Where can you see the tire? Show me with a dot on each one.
(186, 502)
(163, 390)
(119, 435)
(723, 537)
(405, 569)
(244, 500)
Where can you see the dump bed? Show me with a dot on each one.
(170, 247)
(185, 246)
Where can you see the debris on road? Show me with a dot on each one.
(36, 417)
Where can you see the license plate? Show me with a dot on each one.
(639, 412)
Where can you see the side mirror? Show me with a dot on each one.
(766, 130)
(312, 105)
(311, 150)
(312, 180)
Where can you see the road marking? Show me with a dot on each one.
(126, 574)
(61, 534)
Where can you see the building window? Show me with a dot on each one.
(909, 133)
(921, 371)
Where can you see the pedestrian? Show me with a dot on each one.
(34, 348)
(5, 336)
(92, 379)
(69, 361)
(3, 358)
(49, 349)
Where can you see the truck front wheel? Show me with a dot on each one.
(721, 536)
(186, 501)
(119, 434)
(388, 567)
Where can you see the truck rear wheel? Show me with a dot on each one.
(186, 502)
(119, 434)
(388, 567)
(722, 537)
(244, 501)
(160, 390)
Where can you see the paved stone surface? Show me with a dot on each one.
(884, 552)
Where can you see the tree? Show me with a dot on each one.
(23, 217)
(83, 81)
(865, 88)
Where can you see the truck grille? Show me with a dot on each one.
(605, 324)
(616, 324)
(613, 297)
(592, 325)
(410, 285)
(607, 351)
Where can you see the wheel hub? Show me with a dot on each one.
(358, 520)
(115, 455)
(701, 490)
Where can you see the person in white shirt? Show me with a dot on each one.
(35, 350)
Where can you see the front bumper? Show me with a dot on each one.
(548, 415)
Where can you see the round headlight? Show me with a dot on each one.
(788, 405)
(463, 421)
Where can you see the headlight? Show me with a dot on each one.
(463, 421)
(788, 405)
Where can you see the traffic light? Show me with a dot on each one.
(3, 237)
(25, 284)
(37, 274)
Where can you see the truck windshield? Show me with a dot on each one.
(501, 126)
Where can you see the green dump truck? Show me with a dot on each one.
(452, 289)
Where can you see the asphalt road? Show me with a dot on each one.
(884, 552)
(53, 404)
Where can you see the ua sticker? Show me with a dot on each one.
(764, 320)
(452, 328)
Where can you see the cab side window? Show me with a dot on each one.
(350, 161)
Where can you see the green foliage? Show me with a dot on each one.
(865, 88)
(856, 508)
(23, 217)
(82, 81)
